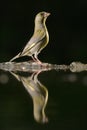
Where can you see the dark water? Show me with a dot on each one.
(66, 107)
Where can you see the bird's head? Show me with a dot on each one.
(41, 17)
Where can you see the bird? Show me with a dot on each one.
(39, 39)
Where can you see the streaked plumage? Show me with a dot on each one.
(39, 40)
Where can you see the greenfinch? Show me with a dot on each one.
(39, 40)
(38, 92)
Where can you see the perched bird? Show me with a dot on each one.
(38, 41)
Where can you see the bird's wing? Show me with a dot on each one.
(35, 39)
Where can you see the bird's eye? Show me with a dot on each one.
(41, 14)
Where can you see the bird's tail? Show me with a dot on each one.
(17, 56)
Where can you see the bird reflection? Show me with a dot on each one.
(38, 92)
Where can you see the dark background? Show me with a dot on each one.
(66, 26)
(67, 103)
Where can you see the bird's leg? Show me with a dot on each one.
(37, 60)
(33, 58)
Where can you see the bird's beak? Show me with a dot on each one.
(46, 14)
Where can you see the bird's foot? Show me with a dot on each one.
(40, 63)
